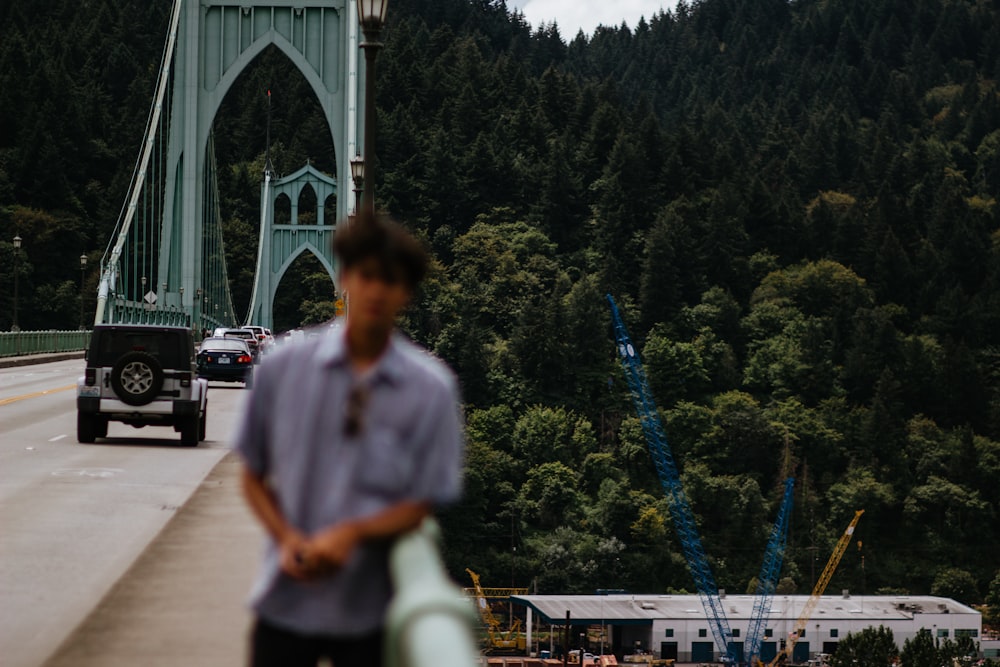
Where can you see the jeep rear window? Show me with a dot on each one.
(111, 345)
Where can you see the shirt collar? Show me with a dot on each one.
(332, 353)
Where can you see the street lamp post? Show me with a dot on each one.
(83, 268)
(196, 313)
(358, 176)
(17, 268)
(371, 15)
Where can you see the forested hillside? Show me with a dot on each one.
(793, 202)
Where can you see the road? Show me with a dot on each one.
(75, 518)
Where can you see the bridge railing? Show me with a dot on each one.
(17, 343)
(430, 623)
(135, 312)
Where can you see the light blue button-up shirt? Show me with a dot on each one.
(409, 448)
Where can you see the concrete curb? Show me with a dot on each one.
(27, 360)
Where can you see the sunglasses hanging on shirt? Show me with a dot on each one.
(357, 401)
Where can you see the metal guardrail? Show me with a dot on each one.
(134, 312)
(18, 343)
(429, 623)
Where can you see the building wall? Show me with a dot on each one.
(675, 626)
(821, 634)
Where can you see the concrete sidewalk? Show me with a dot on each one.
(29, 359)
(183, 601)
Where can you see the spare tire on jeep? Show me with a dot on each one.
(137, 378)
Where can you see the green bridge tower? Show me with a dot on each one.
(216, 41)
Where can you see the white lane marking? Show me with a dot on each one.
(58, 437)
(87, 472)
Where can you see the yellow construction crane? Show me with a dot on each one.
(498, 640)
(824, 579)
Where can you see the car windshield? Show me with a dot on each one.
(242, 333)
(223, 344)
(110, 345)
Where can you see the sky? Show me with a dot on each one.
(573, 15)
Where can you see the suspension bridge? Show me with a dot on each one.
(166, 261)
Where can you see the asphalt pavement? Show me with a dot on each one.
(183, 601)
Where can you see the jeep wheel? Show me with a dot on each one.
(101, 427)
(189, 431)
(202, 424)
(137, 378)
(86, 427)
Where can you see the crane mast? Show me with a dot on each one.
(484, 606)
(767, 580)
(497, 639)
(821, 584)
(666, 468)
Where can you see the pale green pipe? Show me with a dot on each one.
(429, 623)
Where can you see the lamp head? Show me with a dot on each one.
(358, 170)
(371, 15)
(17, 241)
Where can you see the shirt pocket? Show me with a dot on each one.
(386, 465)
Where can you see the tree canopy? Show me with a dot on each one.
(794, 203)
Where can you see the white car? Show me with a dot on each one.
(264, 340)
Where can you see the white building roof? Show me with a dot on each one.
(640, 609)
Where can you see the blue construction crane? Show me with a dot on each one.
(768, 578)
(680, 509)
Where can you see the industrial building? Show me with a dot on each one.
(676, 627)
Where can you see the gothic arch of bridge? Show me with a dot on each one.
(282, 243)
(216, 41)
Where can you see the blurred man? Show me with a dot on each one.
(348, 441)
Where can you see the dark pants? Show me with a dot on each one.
(276, 647)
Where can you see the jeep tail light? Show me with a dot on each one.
(185, 379)
(90, 377)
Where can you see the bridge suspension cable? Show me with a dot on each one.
(143, 277)
(215, 276)
(126, 283)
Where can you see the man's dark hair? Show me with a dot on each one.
(400, 256)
